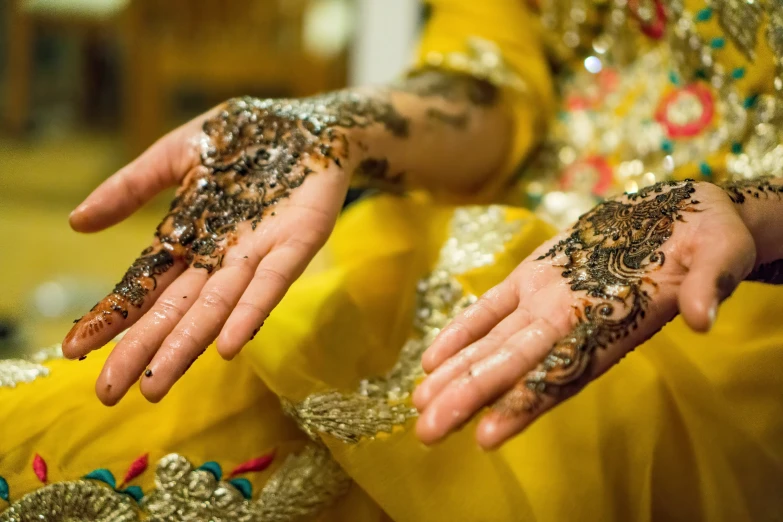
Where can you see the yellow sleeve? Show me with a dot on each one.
(500, 41)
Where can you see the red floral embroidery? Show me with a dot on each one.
(136, 468)
(593, 171)
(40, 469)
(257, 464)
(687, 111)
(654, 27)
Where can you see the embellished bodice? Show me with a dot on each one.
(651, 90)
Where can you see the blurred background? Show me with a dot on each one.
(85, 85)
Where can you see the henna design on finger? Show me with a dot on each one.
(609, 254)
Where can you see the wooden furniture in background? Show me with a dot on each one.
(225, 47)
(213, 47)
(25, 18)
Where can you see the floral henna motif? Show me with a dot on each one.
(254, 153)
(609, 255)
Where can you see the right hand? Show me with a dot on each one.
(240, 230)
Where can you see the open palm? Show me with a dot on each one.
(577, 305)
(261, 188)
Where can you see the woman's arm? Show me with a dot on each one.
(261, 185)
(453, 135)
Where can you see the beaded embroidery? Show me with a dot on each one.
(16, 371)
(301, 487)
(646, 104)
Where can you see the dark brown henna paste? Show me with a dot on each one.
(453, 87)
(608, 255)
(726, 284)
(770, 273)
(740, 190)
(458, 121)
(375, 173)
(254, 153)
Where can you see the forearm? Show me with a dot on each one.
(448, 134)
(457, 137)
(760, 203)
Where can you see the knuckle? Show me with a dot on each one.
(267, 274)
(170, 308)
(254, 308)
(239, 263)
(215, 301)
(187, 339)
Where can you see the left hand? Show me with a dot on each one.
(580, 303)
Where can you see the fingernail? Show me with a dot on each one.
(712, 314)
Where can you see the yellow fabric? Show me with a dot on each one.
(688, 427)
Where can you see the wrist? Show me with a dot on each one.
(759, 202)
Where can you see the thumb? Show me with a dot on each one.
(722, 255)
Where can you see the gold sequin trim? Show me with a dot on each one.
(381, 404)
(72, 501)
(302, 487)
(16, 371)
(483, 60)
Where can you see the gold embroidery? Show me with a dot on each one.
(381, 404)
(483, 61)
(16, 371)
(762, 154)
(303, 486)
(775, 39)
(740, 19)
(70, 501)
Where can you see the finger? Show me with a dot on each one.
(274, 275)
(471, 325)
(198, 328)
(586, 353)
(144, 281)
(461, 362)
(130, 357)
(485, 381)
(721, 256)
(161, 166)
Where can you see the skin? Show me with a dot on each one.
(499, 352)
(261, 185)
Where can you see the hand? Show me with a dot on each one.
(262, 183)
(580, 303)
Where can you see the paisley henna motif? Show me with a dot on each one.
(608, 255)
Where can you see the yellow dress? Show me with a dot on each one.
(314, 420)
